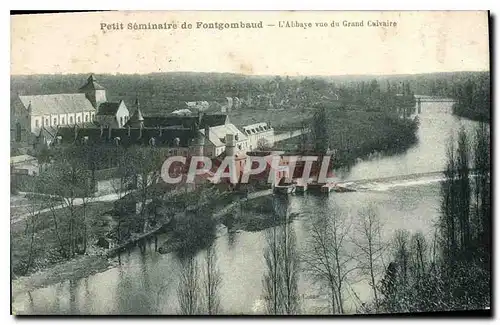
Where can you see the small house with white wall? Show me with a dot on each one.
(112, 114)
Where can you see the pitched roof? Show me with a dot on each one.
(213, 137)
(57, 104)
(91, 84)
(182, 112)
(189, 122)
(108, 108)
(212, 120)
(218, 134)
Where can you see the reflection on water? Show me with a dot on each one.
(147, 283)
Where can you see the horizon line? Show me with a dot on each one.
(249, 75)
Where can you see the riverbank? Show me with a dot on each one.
(478, 114)
(357, 135)
(77, 268)
(257, 214)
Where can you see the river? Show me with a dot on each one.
(147, 283)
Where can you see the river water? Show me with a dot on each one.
(147, 283)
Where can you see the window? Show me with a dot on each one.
(62, 120)
(121, 121)
(86, 118)
(36, 123)
(71, 120)
(47, 121)
(18, 132)
(55, 121)
(79, 119)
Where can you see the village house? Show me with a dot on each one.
(215, 139)
(260, 135)
(112, 114)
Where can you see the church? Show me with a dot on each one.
(35, 115)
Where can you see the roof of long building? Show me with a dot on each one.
(128, 136)
(210, 120)
(57, 104)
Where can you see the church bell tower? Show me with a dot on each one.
(94, 92)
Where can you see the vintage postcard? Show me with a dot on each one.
(250, 163)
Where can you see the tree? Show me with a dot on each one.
(263, 144)
(411, 283)
(272, 279)
(464, 266)
(368, 242)
(69, 179)
(188, 292)
(123, 179)
(464, 190)
(321, 130)
(32, 222)
(327, 258)
(282, 267)
(212, 282)
(290, 269)
(482, 189)
(146, 165)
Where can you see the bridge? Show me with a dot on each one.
(421, 100)
(435, 100)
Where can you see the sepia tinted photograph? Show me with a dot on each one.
(250, 163)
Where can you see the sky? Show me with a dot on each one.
(421, 42)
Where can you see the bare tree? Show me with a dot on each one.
(272, 279)
(124, 176)
(188, 292)
(282, 263)
(211, 283)
(368, 242)
(327, 258)
(263, 144)
(146, 162)
(124, 173)
(68, 178)
(290, 269)
(32, 221)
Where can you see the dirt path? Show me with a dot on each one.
(15, 217)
